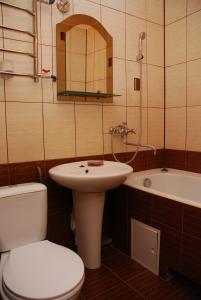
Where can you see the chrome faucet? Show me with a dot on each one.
(140, 145)
(123, 130)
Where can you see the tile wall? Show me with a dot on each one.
(34, 126)
(183, 74)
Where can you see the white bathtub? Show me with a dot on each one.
(181, 186)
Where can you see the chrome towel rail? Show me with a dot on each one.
(18, 30)
(33, 34)
(17, 52)
(19, 8)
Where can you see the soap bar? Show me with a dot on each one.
(95, 163)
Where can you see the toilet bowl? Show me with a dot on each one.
(41, 270)
(32, 268)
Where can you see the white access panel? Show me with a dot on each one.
(145, 245)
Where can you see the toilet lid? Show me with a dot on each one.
(42, 270)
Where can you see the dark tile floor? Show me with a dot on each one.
(120, 278)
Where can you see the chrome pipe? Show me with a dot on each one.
(35, 42)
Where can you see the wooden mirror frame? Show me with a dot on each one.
(65, 26)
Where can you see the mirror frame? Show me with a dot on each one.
(64, 27)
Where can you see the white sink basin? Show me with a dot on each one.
(82, 178)
(89, 185)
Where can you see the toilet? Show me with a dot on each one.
(31, 267)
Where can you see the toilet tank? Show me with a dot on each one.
(23, 214)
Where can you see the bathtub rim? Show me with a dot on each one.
(129, 182)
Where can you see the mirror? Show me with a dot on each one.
(84, 60)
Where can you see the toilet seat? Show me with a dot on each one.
(43, 270)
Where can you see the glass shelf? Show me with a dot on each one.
(87, 94)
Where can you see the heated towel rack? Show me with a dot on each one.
(33, 34)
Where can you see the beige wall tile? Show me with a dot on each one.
(59, 131)
(77, 86)
(47, 61)
(176, 85)
(1, 21)
(23, 90)
(3, 143)
(89, 138)
(91, 39)
(193, 82)
(155, 44)
(155, 11)
(87, 8)
(90, 66)
(100, 85)
(2, 98)
(194, 128)
(155, 86)
(46, 23)
(119, 81)
(21, 63)
(133, 121)
(47, 90)
(113, 116)
(133, 71)
(57, 17)
(156, 127)
(114, 23)
(89, 118)
(118, 146)
(78, 40)
(133, 27)
(25, 132)
(193, 36)
(193, 5)
(136, 8)
(21, 3)
(99, 42)
(175, 128)
(174, 10)
(176, 43)
(119, 5)
(39, 21)
(77, 67)
(100, 64)
(96, 1)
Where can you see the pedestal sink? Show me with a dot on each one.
(89, 184)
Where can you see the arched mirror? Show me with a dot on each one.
(84, 60)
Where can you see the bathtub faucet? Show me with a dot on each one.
(122, 130)
(140, 145)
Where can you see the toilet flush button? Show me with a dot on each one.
(42, 270)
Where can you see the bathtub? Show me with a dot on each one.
(177, 185)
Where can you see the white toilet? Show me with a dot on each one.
(31, 267)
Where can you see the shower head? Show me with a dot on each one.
(142, 35)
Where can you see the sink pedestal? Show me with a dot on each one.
(88, 212)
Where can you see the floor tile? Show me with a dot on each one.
(122, 266)
(97, 282)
